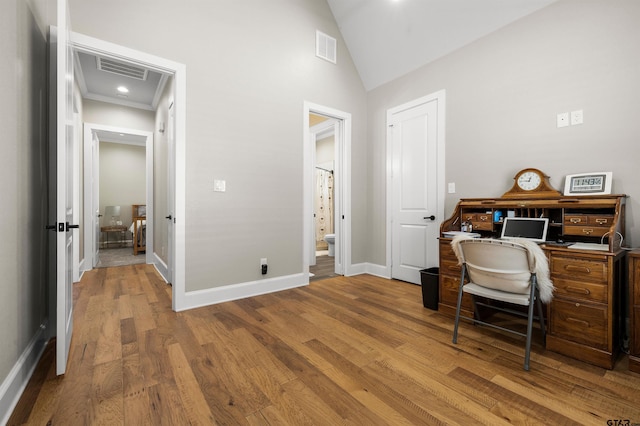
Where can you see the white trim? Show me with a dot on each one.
(211, 296)
(179, 71)
(342, 182)
(440, 97)
(89, 214)
(16, 381)
(161, 267)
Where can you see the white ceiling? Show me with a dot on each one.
(389, 38)
(100, 85)
(386, 39)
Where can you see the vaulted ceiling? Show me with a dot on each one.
(386, 39)
(389, 38)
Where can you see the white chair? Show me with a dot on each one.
(503, 271)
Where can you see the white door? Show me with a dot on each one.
(95, 196)
(61, 172)
(171, 194)
(413, 133)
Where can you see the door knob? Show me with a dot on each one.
(168, 217)
(432, 217)
(71, 226)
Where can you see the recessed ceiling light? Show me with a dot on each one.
(123, 89)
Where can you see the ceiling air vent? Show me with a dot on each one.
(121, 68)
(325, 47)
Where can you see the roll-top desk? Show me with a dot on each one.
(583, 318)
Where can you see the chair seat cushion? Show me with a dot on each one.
(477, 290)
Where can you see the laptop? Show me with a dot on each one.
(530, 228)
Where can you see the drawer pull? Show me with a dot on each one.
(577, 321)
(601, 221)
(574, 268)
(577, 290)
(575, 220)
(587, 231)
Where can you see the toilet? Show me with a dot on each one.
(331, 239)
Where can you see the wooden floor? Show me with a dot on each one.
(347, 350)
(323, 269)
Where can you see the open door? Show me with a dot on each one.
(61, 206)
(171, 196)
(95, 197)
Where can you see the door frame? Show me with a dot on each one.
(440, 98)
(342, 186)
(89, 215)
(92, 45)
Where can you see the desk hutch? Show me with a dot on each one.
(583, 318)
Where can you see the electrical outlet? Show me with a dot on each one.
(563, 119)
(263, 266)
(577, 117)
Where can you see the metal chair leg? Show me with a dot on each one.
(532, 294)
(457, 321)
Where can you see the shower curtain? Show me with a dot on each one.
(323, 207)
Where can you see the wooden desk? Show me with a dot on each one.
(634, 311)
(113, 228)
(583, 318)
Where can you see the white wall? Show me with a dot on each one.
(325, 150)
(122, 179)
(250, 66)
(107, 114)
(503, 94)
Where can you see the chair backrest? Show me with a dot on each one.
(496, 264)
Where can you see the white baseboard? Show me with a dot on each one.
(15, 383)
(161, 267)
(371, 269)
(211, 296)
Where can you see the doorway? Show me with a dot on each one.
(176, 156)
(332, 130)
(95, 211)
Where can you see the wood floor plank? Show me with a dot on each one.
(196, 407)
(345, 350)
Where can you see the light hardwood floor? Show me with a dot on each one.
(347, 350)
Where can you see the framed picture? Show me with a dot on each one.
(596, 183)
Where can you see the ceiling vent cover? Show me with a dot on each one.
(325, 47)
(121, 68)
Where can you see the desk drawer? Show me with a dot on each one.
(583, 269)
(585, 231)
(579, 322)
(450, 267)
(469, 217)
(482, 226)
(591, 220)
(580, 290)
(449, 292)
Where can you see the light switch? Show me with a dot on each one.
(219, 185)
(452, 187)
